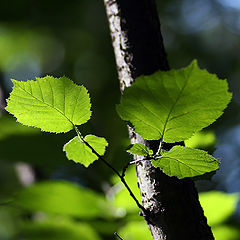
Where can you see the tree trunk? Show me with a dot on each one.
(173, 205)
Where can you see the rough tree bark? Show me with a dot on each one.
(175, 211)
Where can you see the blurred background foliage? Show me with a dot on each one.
(45, 196)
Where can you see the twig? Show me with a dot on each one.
(112, 168)
(133, 162)
(125, 169)
(116, 234)
(140, 160)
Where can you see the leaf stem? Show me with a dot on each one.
(160, 147)
(112, 168)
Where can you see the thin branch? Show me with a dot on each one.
(125, 169)
(138, 161)
(112, 168)
(133, 162)
(116, 234)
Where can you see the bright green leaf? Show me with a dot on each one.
(184, 162)
(202, 140)
(226, 232)
(174, 105)
(61, 197)
(140, 149)
(121, 197)
(218, 206)
(136, 230)
(57, 228)
(52, 104)
(79, 152)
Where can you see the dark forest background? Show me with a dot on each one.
(45, 196)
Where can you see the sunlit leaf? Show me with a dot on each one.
(61, 198)
(79, 152)
(121, 196)
(174, 105)
(140, 149)
(226, 232)
(201, 140)
(218, 206)
(52, 104)
(184, 162)
(137, 230)
(58, 228)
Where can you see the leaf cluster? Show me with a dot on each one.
(166, 106)
(57, 105)
(171, 107)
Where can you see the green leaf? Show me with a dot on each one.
(203, 140)
(121, 197)
(135, 230)
(174, 105)
(59, 197)
(57, 228)
(140, 149)
(223, 232)
(52, 104)
(184, 162)
(218, 206)
(79, 152)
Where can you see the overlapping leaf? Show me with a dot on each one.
(79, 152)
(140, 150)
(52, 104)
(184, 162)
(175, 104)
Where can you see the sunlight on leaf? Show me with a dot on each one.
(226, 232)
(52, 104)
(61, 197)
(173, 105)
(201, 140)
(58, 228)
(121, 196)
(184, 162)
(79, 152)
(137, 230)
(218, 206)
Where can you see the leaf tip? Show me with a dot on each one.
(194, 64)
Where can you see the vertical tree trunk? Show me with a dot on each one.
(175, 211)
